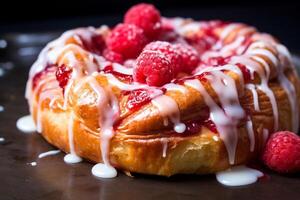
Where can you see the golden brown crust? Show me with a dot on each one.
(200, 153)
(142, 143)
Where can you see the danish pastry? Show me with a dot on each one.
(163, 96)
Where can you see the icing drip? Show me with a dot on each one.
(226, 90)
(228, 30)
(26, 124)
(104, 171)
(72, 156)
(251, 87)
(251, 135)
(225, 122)
(165, 147)
(168, 108)
(238, 176)
(49, 153)
(254, 66)
(108, 111)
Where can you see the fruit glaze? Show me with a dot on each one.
(158, 71)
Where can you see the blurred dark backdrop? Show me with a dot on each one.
(279, 18)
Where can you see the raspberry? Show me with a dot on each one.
(190, 57)
(282, 152)
(184, 57)
(112, 56)
(169, 50)
(126, 39)
(153, 68)
(63, 74)
(145, 16)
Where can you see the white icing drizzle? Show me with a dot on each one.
(238, 176)
(49, 153)
(249, 126)
(134, 86)
(254, 66)
(108, 110)
(229, 29)
(175, 87)
(225, 125)
(72, 156)
(251, 87)
(121, 69)
(26, 124)
(227, 49)
(101, 170)
(165, 147)
(168, 108)
(264, 52)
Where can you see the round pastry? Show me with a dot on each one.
(163, 96)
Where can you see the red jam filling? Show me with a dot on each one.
(96, 45)
(50, 68)
(217, 61)
(204, 40)
(63, 74)
(123, 77)
(137, 98)
(245, 71)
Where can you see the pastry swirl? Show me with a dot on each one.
(203, 122)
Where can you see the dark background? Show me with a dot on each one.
(280, 18)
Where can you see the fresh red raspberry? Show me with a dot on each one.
(63, 74)
(145, 16)
(112, 56)
(168, 50)
(190, 57)
(153, 68)
(282, 152)
(126, 39)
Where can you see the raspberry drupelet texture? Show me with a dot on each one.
(184, 57)
(190, 57)
(153, 68)
(145, 16)
(282, 152)
(168, 50)
(127, 40)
